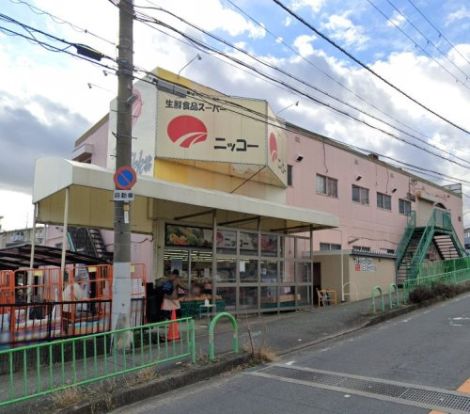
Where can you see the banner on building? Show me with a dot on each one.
(144, 125)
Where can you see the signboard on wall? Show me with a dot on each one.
(364, 264)
(207, 132)
(144, 124)
(184, 236)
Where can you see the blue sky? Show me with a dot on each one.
(46, 101)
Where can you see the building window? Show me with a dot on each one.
(360, 194)
(384, 201)
(361, 249)
(330, 246)
(326, 185)
(289, 175)
(404, 206)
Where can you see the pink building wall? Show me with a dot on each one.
(372, 226)
(360, 225)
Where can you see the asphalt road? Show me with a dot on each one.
(410, 364)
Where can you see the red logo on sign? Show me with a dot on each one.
(186, 130)
(273, 146)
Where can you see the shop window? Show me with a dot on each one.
(329, 246)
(404, 207)
(360, 194)
(289, 175)
(248, 243)
(248, 298)
(269, 297)
(269, 245)
(226, 241)
(229, 296)
(248, 271)
(384, 201)
(268, 272)
(361, 248)
(226, 271)
(327, 186)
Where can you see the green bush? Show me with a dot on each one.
(439, 290)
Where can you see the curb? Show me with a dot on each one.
(157, 387)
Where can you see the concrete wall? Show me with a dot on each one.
(380, 273)
(331, 270)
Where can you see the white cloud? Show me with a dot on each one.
(287, 21)
(343, 29)
(314, 5)
(16, 209)
(397, 19)
(460, 14)
(303, 44)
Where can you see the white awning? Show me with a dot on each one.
(91, 202)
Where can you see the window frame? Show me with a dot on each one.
(402, 201)
(290, 175)
(326, 185)
(383, 197)
(361, 192)
(330, 246)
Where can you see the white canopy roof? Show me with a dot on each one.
(91, 202)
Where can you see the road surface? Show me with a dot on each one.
(411, 364)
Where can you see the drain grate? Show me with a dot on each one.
(455, 402)
(402, 393)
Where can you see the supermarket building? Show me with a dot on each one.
(227, 189)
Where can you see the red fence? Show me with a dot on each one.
(39, 304)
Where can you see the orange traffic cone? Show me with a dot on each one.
(173, 328)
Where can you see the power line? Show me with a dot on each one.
(396, 26)
(302, 93)
(261, 117)
(428, 41)
(60, 20)
(441, 35)
(363, 65)
(318, 68)
(288, 74)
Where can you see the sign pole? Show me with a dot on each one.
(122, 232)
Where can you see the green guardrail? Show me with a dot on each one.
(36, 370)
(212, 325)
(377, 291)
(393, 289)
(453, 277)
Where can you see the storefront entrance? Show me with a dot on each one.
(254, 271)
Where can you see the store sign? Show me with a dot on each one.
(229, 130)
(144, 125)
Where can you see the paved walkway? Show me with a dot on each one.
(289, 330)
(280, 333)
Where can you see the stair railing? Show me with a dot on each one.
(406, 238)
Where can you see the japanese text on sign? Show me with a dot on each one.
(192, 106)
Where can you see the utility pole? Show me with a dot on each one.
(122, 231)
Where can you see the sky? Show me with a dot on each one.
(48, 99)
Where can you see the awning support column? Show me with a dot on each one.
(311, 265)
(65, 232)
(31, 259)
(214, 260)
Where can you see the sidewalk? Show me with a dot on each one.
(287, 331)
(279, 333)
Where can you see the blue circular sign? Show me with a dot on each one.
(125, 177)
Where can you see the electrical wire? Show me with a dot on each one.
(428, 41)
(60, 20)
(288, 74)
(396, 26)
(310, 97)
(441, 35)
(261, 117)
(367, 68)
(316, 67)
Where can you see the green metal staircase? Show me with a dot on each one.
(416, 242)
